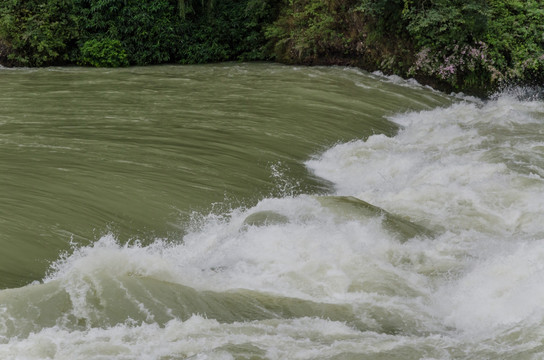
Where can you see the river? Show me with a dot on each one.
(262, 211)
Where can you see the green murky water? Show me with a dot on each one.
(260, 211)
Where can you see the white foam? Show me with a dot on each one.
(503, 291)
(201, 338)
(436, 171)
(438, 167)
(313, 256)
(198, 338)
(397, 80)
(461, 170)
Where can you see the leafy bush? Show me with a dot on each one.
(159, 31)
(147, 29)
(516, 40)
(36, 33)
(136, 32)
(309, 30)
(230, 30)
(384, 17)
(477, 45)
(449, 37)
(103, 53)
(444, 23)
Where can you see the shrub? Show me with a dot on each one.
(147, 29)
(444, 23)
(478, 45)
(103, 53)
(37, 33)
(310, 30)
(516, 39)
(449, 37)
(230, 30)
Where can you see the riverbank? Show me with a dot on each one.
(476, 46)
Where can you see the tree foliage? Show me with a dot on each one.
(105, 52)
(230, 30)
(471, 45)
(146, 29)
(135, 32)
(36, 33)
(516, 40)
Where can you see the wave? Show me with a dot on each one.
(430, 245)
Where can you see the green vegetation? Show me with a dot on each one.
(36, 33)
(227, 30)
(475, 46)
(480, 42)
(132, 32)
(118, 33)
(105, 52)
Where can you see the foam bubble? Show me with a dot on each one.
(503, 291)
(447, 165)
(473, 170)
(315, 282)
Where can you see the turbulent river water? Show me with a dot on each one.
(260, 211)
